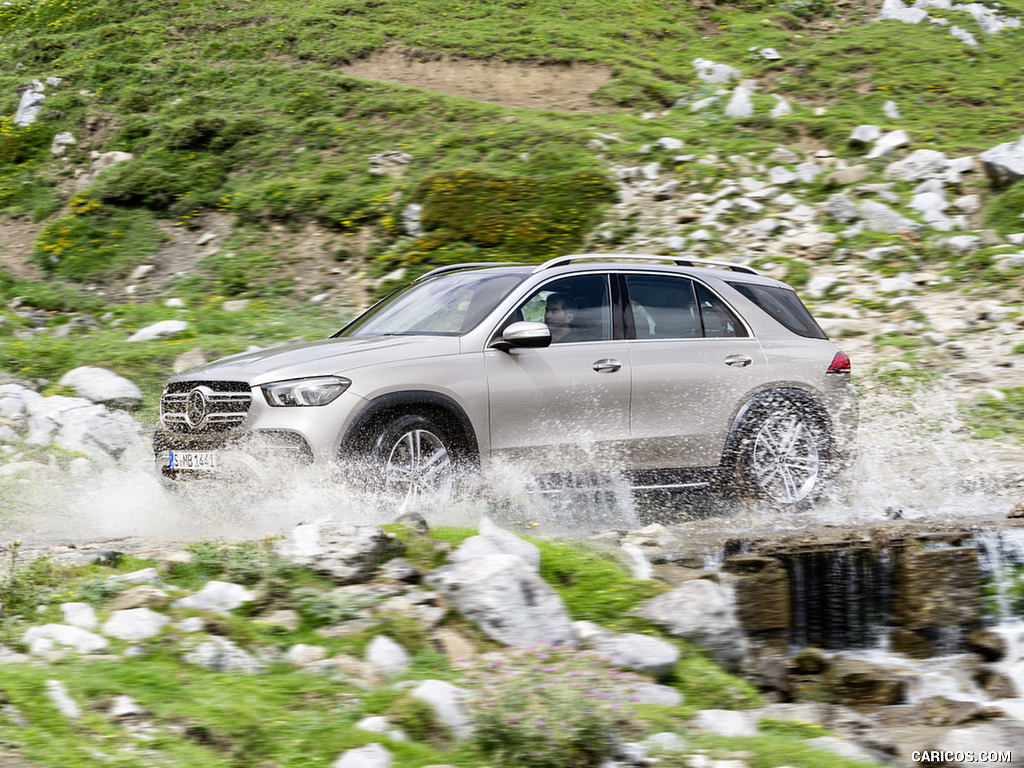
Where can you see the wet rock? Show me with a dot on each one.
(506, 598)
(762, 592)
(861, 683)
(990, 645)
(938, 588)
(811, 661)
(346, 552)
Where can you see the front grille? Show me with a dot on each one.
(204, 406)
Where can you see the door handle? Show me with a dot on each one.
(738, 361)
(607, 365)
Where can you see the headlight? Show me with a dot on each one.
(299, 392)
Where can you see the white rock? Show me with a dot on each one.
(865, 134)
(57, 692)
(740, 105)
(447, 702)
(218, 596)
(891, 110)
(781, 176)
(174, 303)
(43, 638)
(710, 72)
(387, 656)
(143, 576)
(381, 725)
(896, 284)
(125, 706)
(724, 722)
(79, 615)
(102, 386)
(668, 142)
(370, 756)
(888, 142)
(782, 107)
(302, 655)
(29, 106)
(895, 10)
(235, 305)
(159, 330)
(1004, 163)
(135, 624)
(61, 142)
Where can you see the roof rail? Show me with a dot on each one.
(459, 267)
(680, 261)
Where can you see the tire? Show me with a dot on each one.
(784, 454)
(416, 460)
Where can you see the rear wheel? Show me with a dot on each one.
(417, 460)
(784, 455)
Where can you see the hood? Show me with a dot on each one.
(320, 358)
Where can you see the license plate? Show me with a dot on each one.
(192, 460)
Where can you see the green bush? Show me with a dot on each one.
(1005, 211)
(96, 241)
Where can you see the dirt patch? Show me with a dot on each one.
(524, 85)
(16, 239)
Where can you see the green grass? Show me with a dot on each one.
(993, 417)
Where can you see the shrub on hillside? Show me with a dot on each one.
(1005, 211)
(547, 707)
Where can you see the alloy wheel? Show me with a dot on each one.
(786, 458)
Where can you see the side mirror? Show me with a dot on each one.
(524, 335)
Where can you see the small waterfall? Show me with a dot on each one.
(839, 598)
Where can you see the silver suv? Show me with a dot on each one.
(674, 371)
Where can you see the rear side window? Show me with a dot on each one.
(784, 305)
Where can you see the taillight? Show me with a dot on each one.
(840, 363)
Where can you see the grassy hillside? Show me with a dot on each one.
(245, 109)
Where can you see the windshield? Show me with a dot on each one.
(447, 305)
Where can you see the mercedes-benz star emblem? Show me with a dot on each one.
(197, 407)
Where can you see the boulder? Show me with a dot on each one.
(29, 106)
(724, 722)
(448, 703)
(740, 105)
(219, 654)
(878, 217)
(387, 656)
(1000, 737)
(860, 683)
(348, 553)
(102, 386)
(142, 596)
(919, 165)
(888, 142)
(160, 330)
(507, 599)
(710, 72)
(135, 624)
(1004, 163)
(57, 693)
(493, 540)
(370, 756)
(640, 653)
(43, 639)
(842, 177)
(217, 596)
(79, 615)
(704, 612)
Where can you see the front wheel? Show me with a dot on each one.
(416, 459)
(784, 455)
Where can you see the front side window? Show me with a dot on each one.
(574, 308)
(447, 305)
